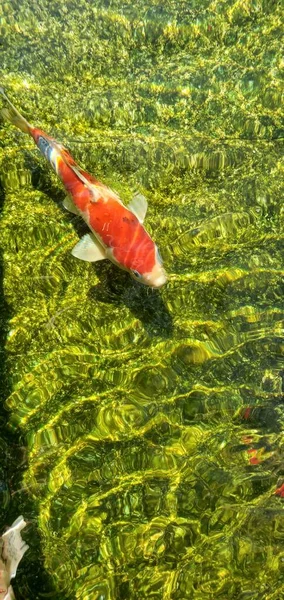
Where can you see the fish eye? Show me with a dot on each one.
(136, 274)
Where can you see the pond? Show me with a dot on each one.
(142, 429)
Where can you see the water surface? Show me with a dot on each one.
(145, 427)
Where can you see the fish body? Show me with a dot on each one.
(117, 232)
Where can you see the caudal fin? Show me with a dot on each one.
(13, 115)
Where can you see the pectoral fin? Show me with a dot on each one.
(69, 205)
(138, 206)
(89, 249)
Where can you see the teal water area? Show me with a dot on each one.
(142, 430)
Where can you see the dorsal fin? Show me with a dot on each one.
(96, 192)
(97, 189)
(81, 176)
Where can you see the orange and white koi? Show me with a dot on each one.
(117, 231)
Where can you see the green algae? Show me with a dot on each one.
(152, 420)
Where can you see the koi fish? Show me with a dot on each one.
(280, 491)
(12, 549)
(117, 231)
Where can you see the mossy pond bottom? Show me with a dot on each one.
(141, 430)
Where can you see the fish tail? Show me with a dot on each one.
(13, 115)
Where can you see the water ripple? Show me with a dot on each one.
(152, 420)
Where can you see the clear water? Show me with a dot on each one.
(142, 432)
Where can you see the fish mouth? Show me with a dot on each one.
(161, 280)
(156, 278)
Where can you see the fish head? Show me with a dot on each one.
(156, 277)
